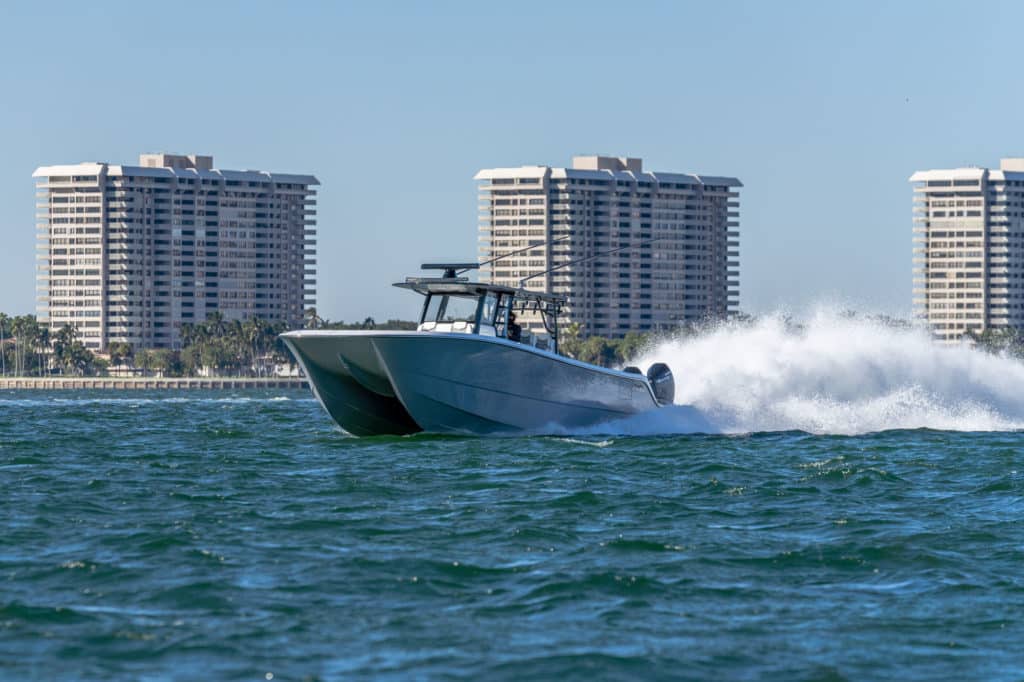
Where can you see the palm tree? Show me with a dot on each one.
(79, 358)
(71, 353)
(569, 342)
(250, 336)
(631, 346)
(119, 352)
(3, 349)
(598, 350)
(279, 352)
(164, 361)
(312, 320)
(258, 336)
(44, 343)
(235, 345)
(27, 334)
(217, 355)
(144, 360)
(187, 333)
(17, 330)
(62, 345)
(215, 323)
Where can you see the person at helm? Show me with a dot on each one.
(515, 332)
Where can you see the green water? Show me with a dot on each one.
(216, 536)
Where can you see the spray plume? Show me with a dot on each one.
(835, 374)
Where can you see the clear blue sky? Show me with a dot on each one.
(822, 109)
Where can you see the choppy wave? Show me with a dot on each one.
(156, 540)
(833, 375)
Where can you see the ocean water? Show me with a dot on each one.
(855, 512)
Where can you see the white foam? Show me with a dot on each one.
(590, 443)
(837, 375)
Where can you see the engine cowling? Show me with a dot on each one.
(662, 382)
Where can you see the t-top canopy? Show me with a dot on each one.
(462, 285)
(451, 283)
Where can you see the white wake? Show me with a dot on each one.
(834, 374)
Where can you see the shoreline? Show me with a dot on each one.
(148, 383)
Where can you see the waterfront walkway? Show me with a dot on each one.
(148, 383)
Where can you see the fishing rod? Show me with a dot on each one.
(586, 258)
(512, 253)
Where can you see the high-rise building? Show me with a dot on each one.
(129, 253)
(969, 248)
(681, 232)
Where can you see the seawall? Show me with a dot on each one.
(147, 383)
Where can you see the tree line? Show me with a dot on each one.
(598, 350)
(27, 348)
(216, 346)
(312, 320)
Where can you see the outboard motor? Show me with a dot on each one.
(662, 382)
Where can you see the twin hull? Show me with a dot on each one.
(374, 383)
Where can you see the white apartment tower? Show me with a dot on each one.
(129, 253)
(969, 248)
(681, 234)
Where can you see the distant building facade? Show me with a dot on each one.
(969, 249)
(682, 231)
(129, 253)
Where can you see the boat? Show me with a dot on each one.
(468, 368)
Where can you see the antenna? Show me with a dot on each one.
(449, 268)
(512, 253)
(453, 270)
(586, 258)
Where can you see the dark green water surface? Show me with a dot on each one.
(199, 536)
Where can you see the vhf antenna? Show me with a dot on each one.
(512, 253)
(586, 258)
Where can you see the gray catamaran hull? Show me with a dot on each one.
(375, 383)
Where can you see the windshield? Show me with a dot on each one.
(430, 311)
(490, 307)
(451, 309)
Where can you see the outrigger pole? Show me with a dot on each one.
(453, 270)
(512, 253)
(586, 258)
(557, 309)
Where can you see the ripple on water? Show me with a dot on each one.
(225, 536)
